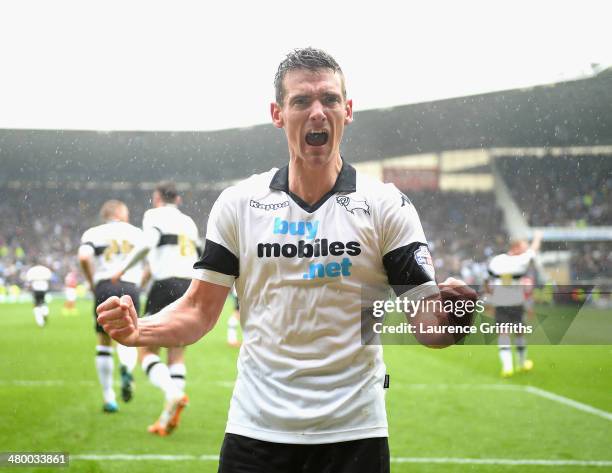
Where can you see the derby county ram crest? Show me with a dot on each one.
(351, 204)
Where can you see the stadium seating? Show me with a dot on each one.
(561, 191)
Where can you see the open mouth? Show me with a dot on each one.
(317, 138)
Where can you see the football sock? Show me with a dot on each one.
(521, 348)
(128, 356)
(505, 352)
(159, 375)
(177, 373)
(39, 317)
(104, 366)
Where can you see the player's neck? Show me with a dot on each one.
(310, 183)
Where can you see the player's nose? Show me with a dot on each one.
(317, 113)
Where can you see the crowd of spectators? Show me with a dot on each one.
(561, 190)
(44, 226)
(591, 261)
(464, 230)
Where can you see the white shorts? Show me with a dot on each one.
(71, 294)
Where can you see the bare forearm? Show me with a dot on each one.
(135, 256)
(537, 241)
(86, 267)
(146, 275)
(176, 325)
(181, 323)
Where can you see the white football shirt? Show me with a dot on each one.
(173, 240)
(303, 374)
(109, 245)
(38, 276)
(505, 272)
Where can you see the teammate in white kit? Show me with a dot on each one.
(506, 279)
(171, 244)
(103, 251)
(299, 243)
(38, 278)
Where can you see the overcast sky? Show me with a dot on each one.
(182, 65)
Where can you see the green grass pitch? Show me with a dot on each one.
(445, 407)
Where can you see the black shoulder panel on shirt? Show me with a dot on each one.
(500, 276)
(405, 268)
(168, 239)
(218, 258)
(98, 250)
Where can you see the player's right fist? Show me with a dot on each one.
(119, 319)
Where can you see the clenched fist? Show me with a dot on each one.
(464, 301)
(119, 319)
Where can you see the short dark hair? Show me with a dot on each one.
(306, 58)
(167, 191)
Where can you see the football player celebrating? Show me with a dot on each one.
(171, 244)
(506, 285)
(103, 251)
(299, 243)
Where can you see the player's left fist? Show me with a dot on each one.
(463, 298)
(453, 288)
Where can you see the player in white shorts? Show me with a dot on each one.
(171, 246)
(300, 243)
(38, 278)
(103, 251)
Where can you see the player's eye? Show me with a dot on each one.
(299, 101)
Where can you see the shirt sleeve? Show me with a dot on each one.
(406, 256)
(151, 237)
(86, 251)
(219, 263)
(87, 248)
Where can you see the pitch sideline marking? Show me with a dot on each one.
(456, 461)
(568, 402)
(502, 387)
(513, 387)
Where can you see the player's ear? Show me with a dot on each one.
(277, 115)
(348, 112)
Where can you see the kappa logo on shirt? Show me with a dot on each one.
(274, 206)
(405, 200)
(351, 204)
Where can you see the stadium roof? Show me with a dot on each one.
(565, 114)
